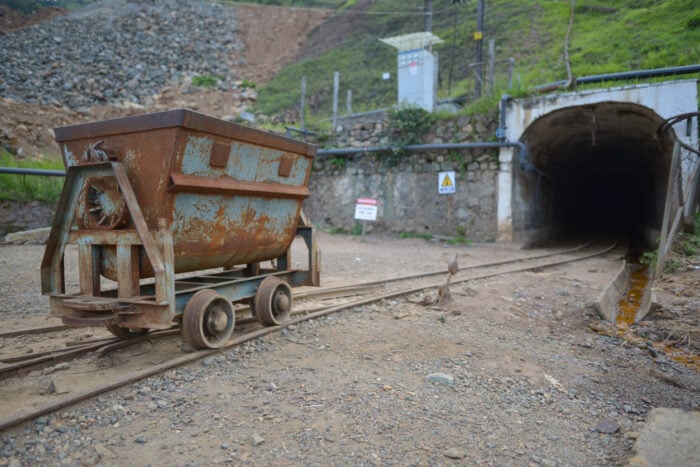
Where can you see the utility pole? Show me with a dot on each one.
(428, 8)
(479, 39)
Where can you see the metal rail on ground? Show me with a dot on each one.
(26, 415)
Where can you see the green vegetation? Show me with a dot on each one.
(649, 258)
(30, 6)
(355, 230)
(611, 36)
(30, 187)
(338, 231)
(685, 247)
(461, 238)
(424, 236)
(409, 124)
(339, 162)
(206, 81)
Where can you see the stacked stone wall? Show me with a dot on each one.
(406, 183)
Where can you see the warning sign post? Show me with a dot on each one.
(365, 210)
(446, 183)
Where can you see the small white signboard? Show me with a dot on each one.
(447, 183)
(366, 209)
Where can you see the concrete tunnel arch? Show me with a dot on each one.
(604, 168)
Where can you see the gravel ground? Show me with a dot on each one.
(506, 373)
(118, 50)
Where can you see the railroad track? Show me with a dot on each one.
(313, 305)
(100, 347)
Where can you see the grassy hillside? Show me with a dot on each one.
(610, 36)
(29, 6)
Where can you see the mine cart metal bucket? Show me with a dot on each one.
(173, 192)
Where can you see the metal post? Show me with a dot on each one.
(303, 97)
(511, 65)
(491, 70)
(479, 40)
(453, 49)
(349, 102)
(336, 86)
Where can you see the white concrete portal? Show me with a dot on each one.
(600, 158)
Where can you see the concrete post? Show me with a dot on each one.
(491, 70)
(505, 195)
(336, 87)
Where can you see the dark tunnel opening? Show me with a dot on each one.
(604, 171)
(607, 202)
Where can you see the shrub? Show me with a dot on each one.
(205, 81)
(410, 124)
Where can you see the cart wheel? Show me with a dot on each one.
(208, 320)
(273, 301)
(125, 333)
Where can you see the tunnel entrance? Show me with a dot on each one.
(602, 169)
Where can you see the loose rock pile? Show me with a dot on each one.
(116, 51)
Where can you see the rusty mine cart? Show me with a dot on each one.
(173, 192)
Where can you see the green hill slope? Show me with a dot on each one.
(610, 36)
(29, 6)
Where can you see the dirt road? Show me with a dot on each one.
(508, 372)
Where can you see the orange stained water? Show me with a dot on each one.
(627, 311)
(682, 356)
(629, 303)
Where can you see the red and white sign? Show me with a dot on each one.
(369, 201)
(366, 209)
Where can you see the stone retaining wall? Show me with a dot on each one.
(406, 184)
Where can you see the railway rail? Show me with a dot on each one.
(313, 307)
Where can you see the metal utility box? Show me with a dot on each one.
(417, 68)
(171, 192)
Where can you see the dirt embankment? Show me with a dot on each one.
(10, 20)
(271, 37)
(274, 37)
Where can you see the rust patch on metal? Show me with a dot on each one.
(102, 205)
(286, 163)
(219, 154)
(229, 186)
(88, 321)
(185, 119)
(167, 208)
